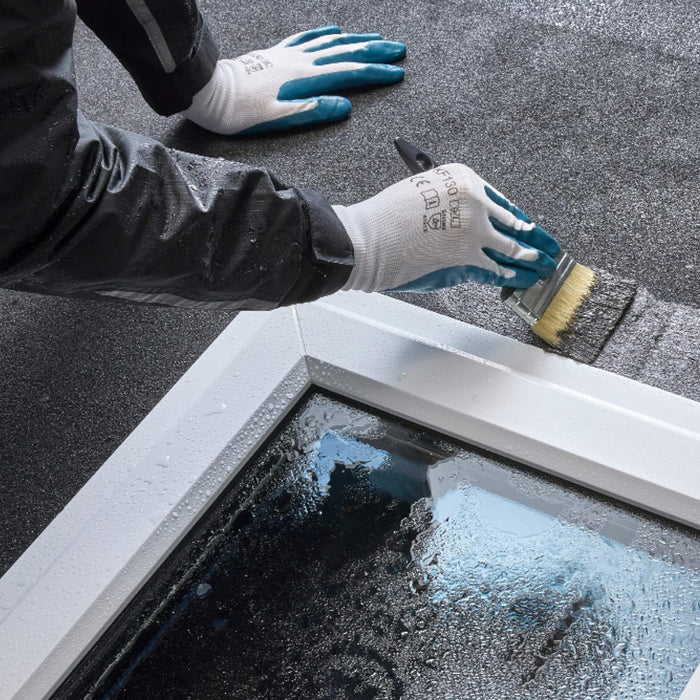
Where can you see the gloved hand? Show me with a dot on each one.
(440, 228)
(286, 85)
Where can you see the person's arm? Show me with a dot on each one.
(167, 48)
(164, 44)
(90, 210)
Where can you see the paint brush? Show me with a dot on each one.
(575, 310)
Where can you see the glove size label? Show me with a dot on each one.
(445, 218)
(254, 62)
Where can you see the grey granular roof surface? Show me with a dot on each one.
(584, 112)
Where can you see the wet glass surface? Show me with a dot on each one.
(362, 557)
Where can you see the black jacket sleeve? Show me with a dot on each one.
(90, 210)
(164, 44)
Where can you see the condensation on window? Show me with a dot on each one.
(362, 557)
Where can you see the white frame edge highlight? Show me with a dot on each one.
(611, 434)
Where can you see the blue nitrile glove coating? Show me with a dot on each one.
(452, 276)
(359, 77)
(310, 35)
(328, 109)
(337, 39)
(527, 272)
(288, 85)
(441, 228)
(375, 51)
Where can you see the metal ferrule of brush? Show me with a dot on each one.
(531, 303)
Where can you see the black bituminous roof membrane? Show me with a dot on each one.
(584, 113)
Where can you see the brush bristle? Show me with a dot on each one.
(561, 312)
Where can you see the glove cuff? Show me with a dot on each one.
(359, 246)
(212, 106)
(369, 228)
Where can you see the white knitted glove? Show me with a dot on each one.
(440, 228)
(285, 86)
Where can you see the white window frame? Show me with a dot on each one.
(611, 434)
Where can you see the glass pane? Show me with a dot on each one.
(362, 557)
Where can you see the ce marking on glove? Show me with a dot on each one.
(420, 181)
(438, 221)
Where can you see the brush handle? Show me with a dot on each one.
(416, 160)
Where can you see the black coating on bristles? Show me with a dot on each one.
(597, 317)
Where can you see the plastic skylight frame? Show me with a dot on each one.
(608, 433)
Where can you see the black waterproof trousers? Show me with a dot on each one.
(88, 210)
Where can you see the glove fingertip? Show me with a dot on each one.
(385, 73)
(547, 265)
(331, 108)
(546, 242)
(393, 50)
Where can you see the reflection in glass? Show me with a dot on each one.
(361, 557)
